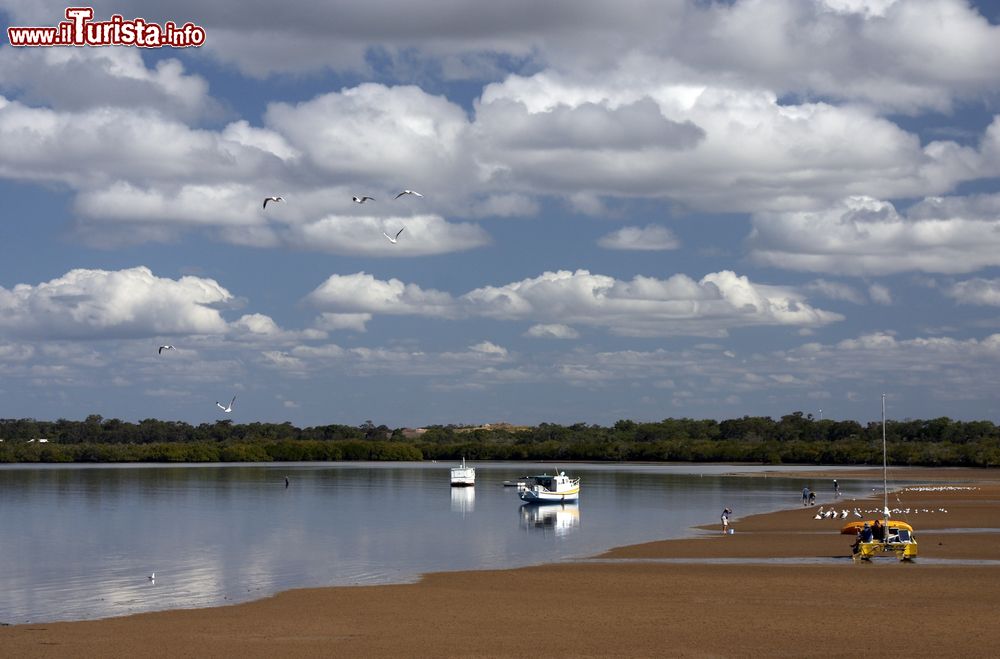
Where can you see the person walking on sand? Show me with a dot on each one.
(726, 512)
(836, 488)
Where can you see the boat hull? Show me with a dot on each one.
(904, 551)
(544, 496)
(854, 527)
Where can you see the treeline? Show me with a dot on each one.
(792, 439)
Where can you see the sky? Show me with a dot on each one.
(643, 209)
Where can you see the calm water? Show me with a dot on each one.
(78, 542)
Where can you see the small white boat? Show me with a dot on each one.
(463, 476)
(515, 483)
(546, 489)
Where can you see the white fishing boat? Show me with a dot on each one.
(463, 476)
(549, 489)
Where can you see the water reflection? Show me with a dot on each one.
(463, 500)
(562, 519)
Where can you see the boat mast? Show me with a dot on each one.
(885, 479)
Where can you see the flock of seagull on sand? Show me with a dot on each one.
(833, 513)
(360, 200)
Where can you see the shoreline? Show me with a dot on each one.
(620, 603)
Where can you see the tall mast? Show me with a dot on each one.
(885, 477)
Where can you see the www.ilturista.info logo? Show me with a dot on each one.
(80, 30)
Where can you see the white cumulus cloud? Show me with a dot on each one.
(880, 294)
(363, 293)
(866, 236)
(106, 304)
(552, 331)
(79, 78)
(643, 306)
(649, 238)
(422, 235)
(978, 291)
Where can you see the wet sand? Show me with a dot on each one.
(782, 585)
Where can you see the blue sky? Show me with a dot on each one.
(640, 210)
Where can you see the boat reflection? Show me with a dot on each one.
(562, 519)
(463, 499)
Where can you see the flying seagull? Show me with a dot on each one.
(391, 239)
(274, 199)
(361, 200)
(162, 348)
(412, 192)
(226, 409)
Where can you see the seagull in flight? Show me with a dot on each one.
(412, 192)
(274, 199)
(392, 239)
(361, 200)
(226, 409)
(162, 348)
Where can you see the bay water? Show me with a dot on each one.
(82, 541)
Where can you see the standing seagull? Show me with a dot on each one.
(391, 239)
(361, 200)
(226, 409)
(274, 199)
(412, 192)
(162, 348)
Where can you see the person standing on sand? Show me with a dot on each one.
(836, 488)
(726, 512)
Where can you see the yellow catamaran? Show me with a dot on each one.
(896, 536)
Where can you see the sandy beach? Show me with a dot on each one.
(782, 585)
